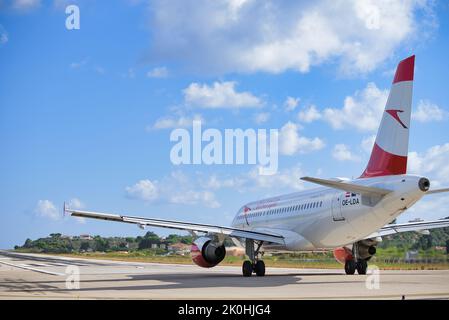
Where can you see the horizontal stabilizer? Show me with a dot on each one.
(437, 191)
(349, 187)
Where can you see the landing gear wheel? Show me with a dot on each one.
(247, 268)
(259, 268)
(361, 266)
(350, 266)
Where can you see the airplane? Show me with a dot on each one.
(348, 216)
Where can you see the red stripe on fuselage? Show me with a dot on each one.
(404, 71)
(383, 163)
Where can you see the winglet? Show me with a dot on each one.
(64, 209)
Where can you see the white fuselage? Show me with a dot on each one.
(328, 218)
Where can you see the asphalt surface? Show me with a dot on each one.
(35, 276)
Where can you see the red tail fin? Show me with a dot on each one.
(389, 155)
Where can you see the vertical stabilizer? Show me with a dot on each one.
(389, 154)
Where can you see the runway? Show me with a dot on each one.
(35, 276)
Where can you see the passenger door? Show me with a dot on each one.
(336, 207)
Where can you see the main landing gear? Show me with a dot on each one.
(254, 265)
(362, 251)
(351, 266)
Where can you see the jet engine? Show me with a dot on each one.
(365, 250)
(207, 253)
(343, 254)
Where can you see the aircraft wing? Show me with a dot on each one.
(179, 225)
(410, 226)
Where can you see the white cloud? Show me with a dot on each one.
(291, 143)
(158, 72)
(284, 180)
(79, 64)
(288, 178)
(99, 70)
(46, 209)
(262, 117)
(428, 111)
(274, 36)
(3, 35)
(76, 203)
(219, 95)
(291, 103)
(192, 197)
(433, 163)
(342, 152)
(177, 188)
(172, 122)
(309, 114)
(362, 111)
(144, 190)
(368, 143)
(25, 5)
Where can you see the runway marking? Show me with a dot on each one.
(32, 269)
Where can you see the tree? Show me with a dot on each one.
(101, 244)
(55, 235)
(28, 243)
(447, 246)
(85, 246)
(154, 238)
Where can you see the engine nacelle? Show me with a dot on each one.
(207, 253)
(366, 251)
(343, 254)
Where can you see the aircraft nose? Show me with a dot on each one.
(424, 184)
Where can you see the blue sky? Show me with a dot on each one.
(86, 115)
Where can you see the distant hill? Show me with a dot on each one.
(58, 243)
